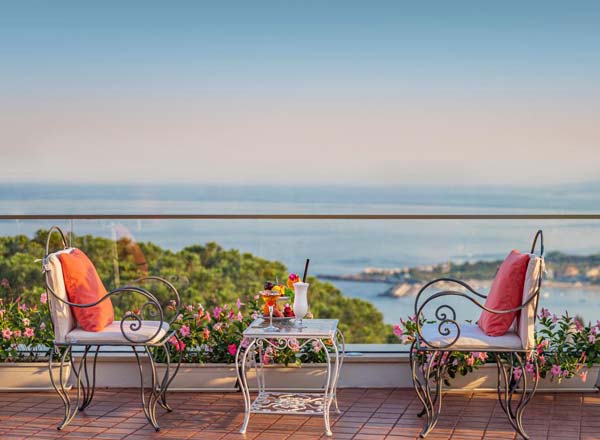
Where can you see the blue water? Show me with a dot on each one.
(335, 247)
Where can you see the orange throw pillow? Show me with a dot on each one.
(84, 286)
(506, 293)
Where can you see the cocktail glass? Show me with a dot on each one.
(300, 303)
(270, 299)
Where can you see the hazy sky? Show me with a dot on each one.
(300, 92)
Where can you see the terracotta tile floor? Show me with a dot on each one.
(367, 414)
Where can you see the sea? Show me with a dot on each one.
(335, 247)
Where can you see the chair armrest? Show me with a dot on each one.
(445, 313)
(136, 316)
(176, 302)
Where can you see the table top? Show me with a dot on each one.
(315, 328)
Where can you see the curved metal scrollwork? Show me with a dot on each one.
(445, 321)
(131, 325)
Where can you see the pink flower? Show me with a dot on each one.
(481, 355)
(266, 359)
(238, 304)
(517, 373)
(44, 298)
(316, 346)
(554, 318)
(455, 362)
(217, 312)
(544, 313)
(23, 307)
(17, 333)
(542, 359)
(190, 308)
(206, 333)
(29, 332)
(592, 338)
(529, 367)
(578, 325)
(555, 370)
(232, 349)
(207, 316)
(240, 317)
(245, 343)
(470, 360)
(398, 330)
(565, 373)
(26, 322)
(179, 345)
(583, 375)
(6, 333)
(43, 326)
(231, 316)
(294, 345)
(254, 315)
(217, 327)
(185, 330)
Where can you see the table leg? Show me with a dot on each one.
(328, 396)
(243, 380)
(342, 351)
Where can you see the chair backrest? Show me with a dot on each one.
(531, 294)
(63, 320)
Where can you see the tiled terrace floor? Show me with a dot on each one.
(367, 414)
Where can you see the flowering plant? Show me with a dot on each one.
(456, 362)
(26, 331)
(565, 348)
(214, 335)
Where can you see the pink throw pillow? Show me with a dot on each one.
(506, 293)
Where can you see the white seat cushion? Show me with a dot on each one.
(472, 338)
(111, 334)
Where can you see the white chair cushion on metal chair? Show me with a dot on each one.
(63, 320)
(527, 315)
(111, 334)
(472, 338)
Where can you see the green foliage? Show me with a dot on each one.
(204, 274)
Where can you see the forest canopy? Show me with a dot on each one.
(204, 274)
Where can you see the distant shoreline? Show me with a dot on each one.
(399, 290)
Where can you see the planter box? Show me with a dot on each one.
(485, 378)
(121, 371)
(203, 377)
(30, 376)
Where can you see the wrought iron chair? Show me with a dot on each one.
(437, 341)
(132, 332)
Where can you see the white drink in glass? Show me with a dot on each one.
(300, 302)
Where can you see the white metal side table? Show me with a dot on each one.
(256, 341)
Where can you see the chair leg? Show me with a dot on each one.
(508, 385)
(168, 377)
(88, 385)
(432, 372)
(149, 405)
(70, 411)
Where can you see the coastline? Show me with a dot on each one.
(407, 289)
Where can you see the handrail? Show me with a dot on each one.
(587, 216)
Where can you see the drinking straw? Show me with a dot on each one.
(305, 270)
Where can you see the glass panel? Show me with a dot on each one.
(364, 272)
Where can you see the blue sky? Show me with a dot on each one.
(320, 63)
